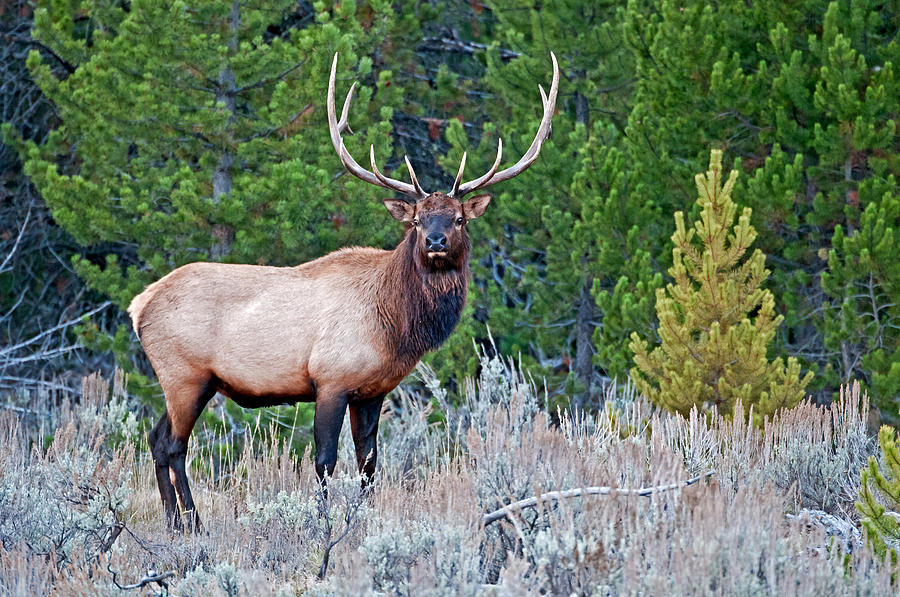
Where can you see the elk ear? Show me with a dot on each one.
(401, 210)
(474, 207)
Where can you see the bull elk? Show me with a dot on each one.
(341, 331)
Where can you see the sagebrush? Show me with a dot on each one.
(767, 521)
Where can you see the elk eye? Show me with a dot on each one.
(459, 221)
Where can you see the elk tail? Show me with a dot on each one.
(138, 303)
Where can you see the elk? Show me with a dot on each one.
(341, 331)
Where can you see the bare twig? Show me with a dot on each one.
(22, 228)
(19, 409)
(449, 44)
(329, 544)
(554, 496)
(59, 327)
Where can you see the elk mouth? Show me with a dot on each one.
(436, 254)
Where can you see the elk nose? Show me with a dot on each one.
(436, 241)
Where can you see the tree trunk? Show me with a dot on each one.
(582, 110)
(584, 345)
(223, 176)
(584, 323)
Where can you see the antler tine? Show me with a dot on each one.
(336, 127)
(549, 104)
(381, 177)
(462, 166)
(412, 177)
(412, 190)
(344, 123)
(460, 191)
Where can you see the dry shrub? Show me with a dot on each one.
(813, 452)
(419, 530)
(23, 572)
(68, 503)
(821, 451)
(410, 444)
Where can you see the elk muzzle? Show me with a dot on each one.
(436, 242)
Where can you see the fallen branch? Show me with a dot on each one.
(20, 409)
(152, 577)
(555, 496)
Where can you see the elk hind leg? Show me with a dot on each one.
(182, 424)
(159, 438)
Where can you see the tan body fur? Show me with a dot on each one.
(268, 335)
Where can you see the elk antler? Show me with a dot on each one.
(375, 177)
(492, 176)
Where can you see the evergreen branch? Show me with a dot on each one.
(688, 346)
(68, 66)
(555, 496)
(270, 130)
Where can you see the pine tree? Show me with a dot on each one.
(862, 320)
(616, 230)
(879, 497)
(38, 290)
(716, 321)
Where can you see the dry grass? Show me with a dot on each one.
(73, 513)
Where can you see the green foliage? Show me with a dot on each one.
(616, 230)
(149, 118)
(805, 95)
(804, 103)
(716, 320)
(879, 496)
(802, 97)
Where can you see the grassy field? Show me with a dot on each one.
(80, 513)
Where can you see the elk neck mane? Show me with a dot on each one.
(420, 305)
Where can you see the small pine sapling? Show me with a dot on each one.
(716, 321)
(879, 497)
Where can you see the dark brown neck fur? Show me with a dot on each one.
(419, 303)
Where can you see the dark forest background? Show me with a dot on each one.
(143, 135)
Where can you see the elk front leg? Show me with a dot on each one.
(329, 417)
(364, 425)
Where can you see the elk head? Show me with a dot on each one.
(439, 219)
